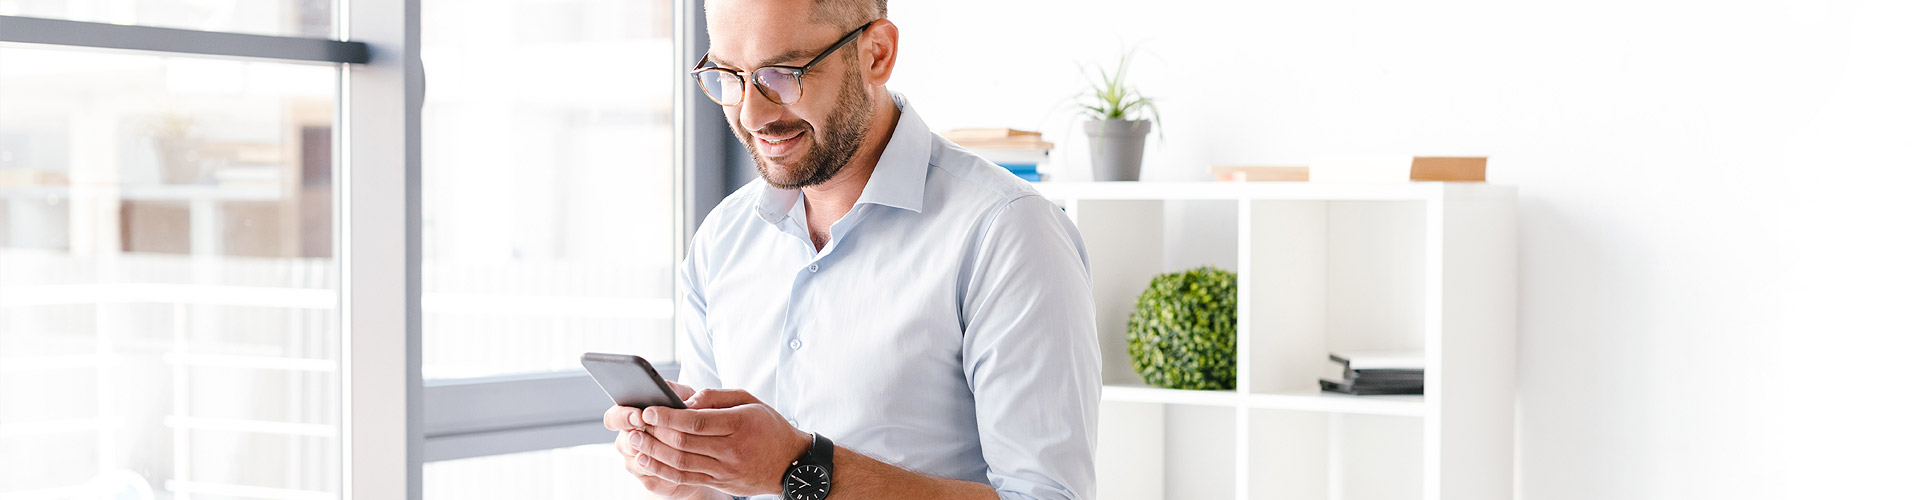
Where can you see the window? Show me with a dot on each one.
(168, 317)
(548, 205)
(272, 277)
(547, 183)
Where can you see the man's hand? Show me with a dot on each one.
(727, 440)
(626, 420)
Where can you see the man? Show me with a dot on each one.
(924, 308)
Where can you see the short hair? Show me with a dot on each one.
(848, 14)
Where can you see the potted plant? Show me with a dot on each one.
(1118, 119)
(1182, 334)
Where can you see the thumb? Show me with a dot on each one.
(681, 390)
(720, 398)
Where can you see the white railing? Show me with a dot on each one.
(270, 314)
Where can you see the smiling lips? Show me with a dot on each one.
(775, 147)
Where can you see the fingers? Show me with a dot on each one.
(656, 485)
(659, 486)
(665, 451)
(697, 422)
(681, 390)
(723, 449)
(722, 398)
(636, 465)
(624, 443)
(662, 469)
(664, 489)
(643, 466)
(621, 418)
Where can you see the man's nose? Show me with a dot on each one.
(757, 111)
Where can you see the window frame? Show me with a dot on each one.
(377, 144)
(380, 254)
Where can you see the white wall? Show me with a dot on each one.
(1719, 257)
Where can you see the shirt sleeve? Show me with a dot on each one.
(694, 351)
(1030, 353)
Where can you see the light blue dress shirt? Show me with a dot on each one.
(947, 327)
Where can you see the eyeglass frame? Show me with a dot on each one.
(799, 72)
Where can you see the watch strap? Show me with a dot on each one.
(821, 453)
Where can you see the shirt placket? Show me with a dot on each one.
(804, 295)
(787, 369)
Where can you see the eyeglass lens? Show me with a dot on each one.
(781, 85)
(722, 86)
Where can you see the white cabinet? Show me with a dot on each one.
(1322, 268)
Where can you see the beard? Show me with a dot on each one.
(830, 150)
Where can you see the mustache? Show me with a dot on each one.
(780, 128)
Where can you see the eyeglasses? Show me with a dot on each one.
(781, 84)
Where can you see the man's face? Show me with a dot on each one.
(804, 143)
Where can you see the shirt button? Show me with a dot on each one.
(795, 344)
(813, 268)
(794, 423)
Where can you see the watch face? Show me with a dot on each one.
(807, 482)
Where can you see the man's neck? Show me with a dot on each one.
(828, 201)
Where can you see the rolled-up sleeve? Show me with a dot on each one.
(1030, 353)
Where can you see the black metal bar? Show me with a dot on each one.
(114, 36)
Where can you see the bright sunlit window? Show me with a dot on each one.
(548, 183)
(171, 301)
(168, 319)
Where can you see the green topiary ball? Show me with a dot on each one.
(1182, 333)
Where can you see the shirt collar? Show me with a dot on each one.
(899, 179)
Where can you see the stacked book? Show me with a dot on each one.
(1398, 168)
(1378, 168)
(1019, 151)
(1372, 373)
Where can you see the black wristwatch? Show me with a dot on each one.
(810, 477)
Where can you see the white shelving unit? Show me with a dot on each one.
(1322, 268)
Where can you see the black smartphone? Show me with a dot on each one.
(630, 380)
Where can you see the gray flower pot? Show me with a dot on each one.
(1117, 146)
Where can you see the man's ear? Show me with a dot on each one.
(880, 49)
